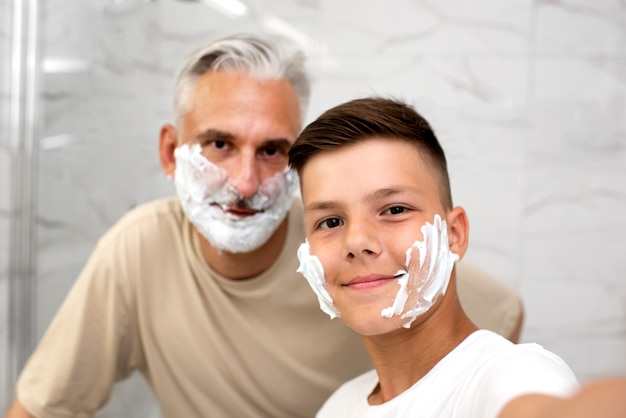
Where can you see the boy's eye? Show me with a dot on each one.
(395, 210)
(330, 223)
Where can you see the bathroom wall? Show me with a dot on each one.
(528, 98)
(5, 176)
(18, 103)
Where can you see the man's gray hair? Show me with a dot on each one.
(246, 54)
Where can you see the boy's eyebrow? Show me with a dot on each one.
(321, 206)
(390, 191)
(376, 195)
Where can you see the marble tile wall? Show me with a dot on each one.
(527, 96)
(5, 176)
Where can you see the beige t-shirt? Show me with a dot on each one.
(208, 346)
(488, 302)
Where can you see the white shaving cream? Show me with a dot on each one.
(312, 270)
(421, 282)
(206, 194)
(425, 281)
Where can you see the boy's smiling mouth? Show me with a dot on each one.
(369, 281)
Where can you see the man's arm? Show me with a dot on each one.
(599, 399)
(95, 326)
(18, 411)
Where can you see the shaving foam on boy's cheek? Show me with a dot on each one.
(425, 281)
(206, 194)
(313, 271)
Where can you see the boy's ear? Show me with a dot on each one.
(458, 231)
(168, 141)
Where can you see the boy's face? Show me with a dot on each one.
(364, 207)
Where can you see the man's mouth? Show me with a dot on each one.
(237, 210)
(241, 212)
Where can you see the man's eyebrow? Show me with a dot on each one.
(215, 135)
(282, 143)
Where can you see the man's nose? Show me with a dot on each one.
(246, 176)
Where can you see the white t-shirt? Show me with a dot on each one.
(475, 380)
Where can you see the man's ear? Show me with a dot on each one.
(458, 231)
(168, 141)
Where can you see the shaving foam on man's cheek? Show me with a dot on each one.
(206, 195)
(313, 271)
(425, 281)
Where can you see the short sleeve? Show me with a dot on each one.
(90, 343)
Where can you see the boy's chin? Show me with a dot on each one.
(370, 327)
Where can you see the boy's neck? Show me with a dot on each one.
(404, 357)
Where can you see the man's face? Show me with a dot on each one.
(245, 126)
(231, 158)
(364, 207)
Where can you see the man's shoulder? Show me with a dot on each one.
(489, 302)
(149, 237)
(146, 218)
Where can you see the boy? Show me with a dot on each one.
(382, 240)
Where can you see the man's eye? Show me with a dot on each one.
(272, 152)
(330, 223)
(218, 144)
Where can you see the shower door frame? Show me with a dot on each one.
(23, 130)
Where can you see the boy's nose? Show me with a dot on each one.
(361, 240)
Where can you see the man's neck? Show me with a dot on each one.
(244, 265)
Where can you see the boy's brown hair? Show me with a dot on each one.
(362, 119)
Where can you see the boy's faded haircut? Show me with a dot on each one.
(363, 119)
